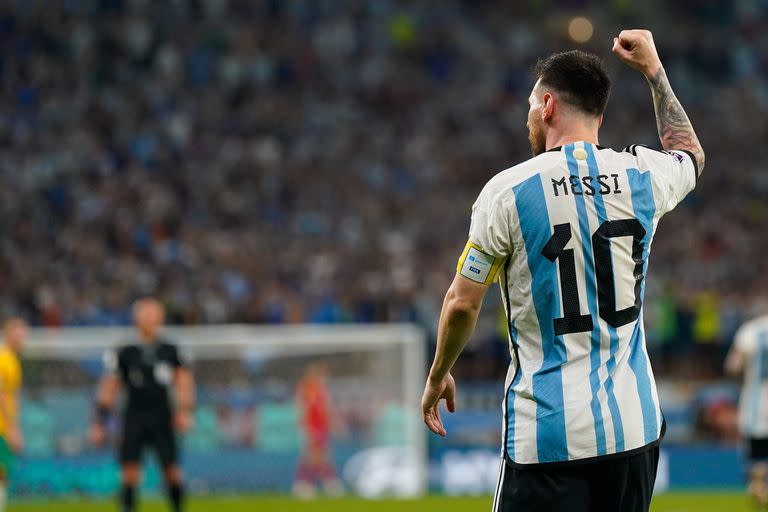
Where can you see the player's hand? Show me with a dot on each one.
(97, 434)
(433, 393)
(636, 49)
(183, 421)
(15, 440)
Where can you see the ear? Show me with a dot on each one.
(600, 121)
(547, 106)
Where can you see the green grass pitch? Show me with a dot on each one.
(671, 502)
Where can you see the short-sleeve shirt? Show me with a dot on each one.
(751, 341)
(569, 233)
(10, 383)
(147, 372)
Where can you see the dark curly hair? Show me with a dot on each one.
(579, 77)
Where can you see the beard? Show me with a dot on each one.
(536, 138)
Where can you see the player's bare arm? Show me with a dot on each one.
(637, 49)
(457, 322)
(15, 438)
(106, 397)
(734, 362)
(184, 383)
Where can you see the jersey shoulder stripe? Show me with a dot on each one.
(547, 382)
(644, 207)
(632, 149)
(601, 275)
(591, 290)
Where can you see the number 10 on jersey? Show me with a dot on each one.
(572, 319)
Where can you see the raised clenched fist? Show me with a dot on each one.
(636, 49)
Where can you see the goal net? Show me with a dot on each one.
(256, 419)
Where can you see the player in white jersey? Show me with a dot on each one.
(749, 355)
(568, 234)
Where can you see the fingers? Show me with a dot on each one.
(634, 34)
(430, 404)
(438, 420)
(450, 398)
(629, 35)
(431, 414)
(427, 408)
(620, 50)
(631, 39)
(432, 421)
(636, 49)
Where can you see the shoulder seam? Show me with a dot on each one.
(632, 149)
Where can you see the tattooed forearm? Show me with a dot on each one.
(675, 130)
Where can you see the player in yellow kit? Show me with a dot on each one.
(11, 441)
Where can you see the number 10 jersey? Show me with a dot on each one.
(568, 234)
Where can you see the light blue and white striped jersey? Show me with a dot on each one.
(569, 233)
(752, 343)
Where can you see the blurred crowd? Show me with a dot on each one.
(316, 161)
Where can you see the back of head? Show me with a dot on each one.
(579, 77)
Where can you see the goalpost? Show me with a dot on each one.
(249, 434)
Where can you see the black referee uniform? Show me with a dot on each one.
(147, 371)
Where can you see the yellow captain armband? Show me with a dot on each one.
(478, 266)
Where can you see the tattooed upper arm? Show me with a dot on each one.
(674, 127)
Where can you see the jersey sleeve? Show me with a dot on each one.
(675, 173)
(744, 341)
(682, 176)
(177, 358)
(489, 241)
(116, 362)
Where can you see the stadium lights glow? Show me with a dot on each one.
(580, 29)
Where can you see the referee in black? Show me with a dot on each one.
(160, 396)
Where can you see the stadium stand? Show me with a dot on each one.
(263, 161)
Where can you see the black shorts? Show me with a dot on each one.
(617, 484)
(757, 449)
(148, 431)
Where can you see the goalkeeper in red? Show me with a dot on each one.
(567, 234)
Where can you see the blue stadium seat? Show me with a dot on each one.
(276, 428)
(38, 427)
(390, 426)
(204, 437)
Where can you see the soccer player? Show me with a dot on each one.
(568, 234)
(147, 370)
(11, 440)
(316, 410)
(749, 355)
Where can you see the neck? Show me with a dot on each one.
(561, 137)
